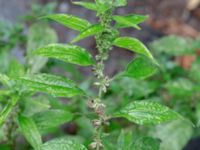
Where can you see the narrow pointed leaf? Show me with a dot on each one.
(70, 21)
(129, 21)
(68, 53)
(30, 131)
(88, 5)
(134, 45)
(62, 144)
(51, 118)
(51, 84)
(144, 113)
(140, 68)
(92, 30)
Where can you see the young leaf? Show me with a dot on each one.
(119, 3)
(51, 84)
(173, 135)
(103, 5)
(68, 53)
(30, 131)
(92, 30)
(62, 144)
(51, 118)
(134, 45)
(88, 5)
(129, 21)
(140, 68)
(70, 21)
(144, 113)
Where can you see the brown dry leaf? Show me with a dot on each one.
(192, 4)
(186, 61)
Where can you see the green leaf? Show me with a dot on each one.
(8, 108)
(146, 143)
(131, 20)
(68, 53)
(88, 5)
(51, 118)
(134, 45)
(181, 87)
(51, 84)
(35, 105)
(172, 45)
(103, 5)
(62, 144)
(39, 35)
(119, 3)
(92, 30)
(30, 131)
(144, 113)
(125, 141)
(4, 79)
(174, 135)
(194, 71)
(70, 21)
(140, 68)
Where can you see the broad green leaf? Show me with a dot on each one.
(30, 131)
(140, 68)
(51, 118)
(92, 30)
(62, 144)
(182, 87)
(39, 35)
(88, 5)
(8, 108)
(68, 53)
(129, 21)
(172, 45)
(70, 21)
(144, 113)
(51, 84)
(146, 143)
(134, 45)
(174, 135)
(119, 3)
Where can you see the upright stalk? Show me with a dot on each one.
(104, 45)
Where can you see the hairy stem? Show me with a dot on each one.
(104, 45)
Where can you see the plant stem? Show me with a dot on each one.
(104, 45)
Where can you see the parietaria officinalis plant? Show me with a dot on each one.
(107, 35)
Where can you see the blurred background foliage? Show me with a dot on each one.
(171, 33)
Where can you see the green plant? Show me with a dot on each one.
(23, 87)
